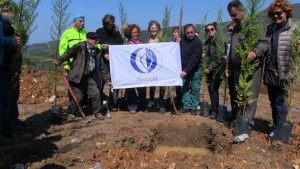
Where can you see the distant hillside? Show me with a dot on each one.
(40, 49)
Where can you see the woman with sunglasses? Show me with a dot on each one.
(277, 48)
(213, 69)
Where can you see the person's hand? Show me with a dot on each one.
(110, 84)
(183, 74)
(16, 41)
(251, 55)
(55, 62)
(206, 71)
(227, 73)
(178, 39)
(106, 56)
(116, 28)
(105, 46)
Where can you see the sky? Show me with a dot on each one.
(138, 11)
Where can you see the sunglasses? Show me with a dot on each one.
(210, 30)
(230, 30)
(278, 13)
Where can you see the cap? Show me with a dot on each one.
(77, 17)
(92, 35)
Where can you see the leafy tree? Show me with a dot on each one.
(61, 20)
(123, 15)
(165, 24)
(293, 80)
(251, 33)
(23, 21)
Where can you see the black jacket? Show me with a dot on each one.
(191, 51)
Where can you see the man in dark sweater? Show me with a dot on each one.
(191, 50)
(109, 35)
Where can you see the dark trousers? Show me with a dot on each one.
(5, 94)
(89, 86)
(136, 101)
(113, 98)
(277, 97)
(15, 94)
(254, 89)
(213, 85)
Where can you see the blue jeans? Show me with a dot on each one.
(190, 97)
(277, 97)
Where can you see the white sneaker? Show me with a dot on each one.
(240, 138)
(150, 104)
(132, 111)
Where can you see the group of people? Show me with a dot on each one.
(85, 57)
(271, 48)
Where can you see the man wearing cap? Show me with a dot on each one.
(8, 44)
(71, 37)
(87, 64)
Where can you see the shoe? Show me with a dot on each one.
(99, 116)
(162, 110)
(183, 110)
(113, 109)
(194, 112)
(71, 116)
(240, 138)
(132, 111)
(150, 104)
(213, 115)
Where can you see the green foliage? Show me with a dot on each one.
(165, 25)
(123, 15)
(220, 40)
(203, 65)
(251, 33)
(60, 19)
(23, 19)
(293, 80)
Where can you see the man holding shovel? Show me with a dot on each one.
(86, 64)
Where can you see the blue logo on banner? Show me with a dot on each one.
(143, 60)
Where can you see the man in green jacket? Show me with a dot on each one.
(71, 37)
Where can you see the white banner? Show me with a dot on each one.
(141, 65)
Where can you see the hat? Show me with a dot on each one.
(77, 17)
(5, 5)
(92, 35)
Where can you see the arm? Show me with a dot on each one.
(195, 54)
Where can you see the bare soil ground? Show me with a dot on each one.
(128, 140)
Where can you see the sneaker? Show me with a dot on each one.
(113, 109)
(99, 116)
(213, 115)
(71, 116)
(132, 111)
(240, 138)
(162, 110)
(182, 111)
(194, 112)
(150, 104)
